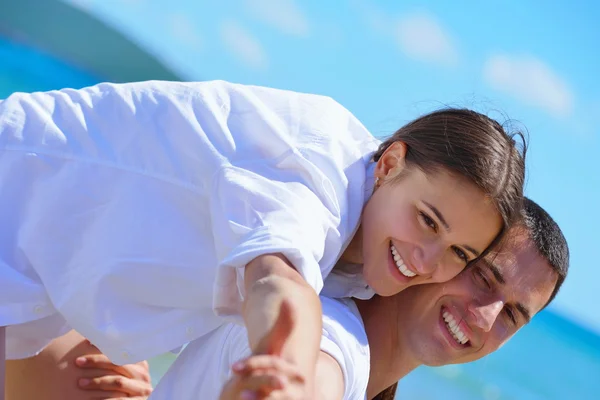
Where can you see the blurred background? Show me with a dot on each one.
(533, 65)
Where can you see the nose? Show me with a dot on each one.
(426, 259)
(484, 314)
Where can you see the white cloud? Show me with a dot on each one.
(243, 44)
(418, 34)
(423, 38)
(183, 29)
(531, 81)
(375, 18)
(284, 15)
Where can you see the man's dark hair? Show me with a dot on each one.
(548, 240)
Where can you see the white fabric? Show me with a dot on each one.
(347, 280)
(127, 210)
(204, 366)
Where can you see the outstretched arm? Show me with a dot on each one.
(269, 280)
(269, 374)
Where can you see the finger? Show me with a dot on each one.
(138, 371)
(280, 396)
(117, 383)
(287, 394)
(274, 340)
(265, 383)
(98, 373)
(252, 386)
(100, 361)
(268, 363)
(231, 390)
(103, 395)
(123, 398)
(248, 395)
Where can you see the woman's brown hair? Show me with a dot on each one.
(469, 145)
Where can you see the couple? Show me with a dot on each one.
(458, 321)
(146, 215)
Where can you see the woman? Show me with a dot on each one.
(452, 322)
(139, 211)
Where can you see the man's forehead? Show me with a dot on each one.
(524, 275)
(517, 256)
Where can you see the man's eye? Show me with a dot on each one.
(511, 315)
(481, 278)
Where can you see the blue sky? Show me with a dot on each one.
(388, 62)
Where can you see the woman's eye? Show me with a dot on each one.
(461, 254)
(428, 221)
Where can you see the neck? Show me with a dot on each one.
(390, 361)
(353, 253)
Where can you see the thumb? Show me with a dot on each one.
(272, 343)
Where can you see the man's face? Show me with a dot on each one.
(475, 313)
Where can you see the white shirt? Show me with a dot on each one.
(128, 211)
(204, 366)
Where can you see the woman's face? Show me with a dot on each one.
(421, 228)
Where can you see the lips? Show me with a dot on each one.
(454, 329)
(400, 264)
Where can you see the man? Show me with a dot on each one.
(475, 313)
(459, 321)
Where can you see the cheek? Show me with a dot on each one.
(448, 269)
(398, 221)
(406, 226)
(492, 344)
(486, 229)
(499, 335)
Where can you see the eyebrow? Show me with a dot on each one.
(500, 278)
(472, 250)
(496, 271)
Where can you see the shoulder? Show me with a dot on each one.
(330, 379)
(341, 316)
(345, 340)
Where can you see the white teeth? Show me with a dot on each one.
(454, 329)
(400, 263)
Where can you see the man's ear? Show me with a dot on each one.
(392, 162)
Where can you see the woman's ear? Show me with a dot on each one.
(392, 162)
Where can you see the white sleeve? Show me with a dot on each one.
(254, 215)
(344, 339)
(203, 367)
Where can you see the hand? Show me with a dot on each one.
(110, 381)
(273, 342)
(266, 375)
